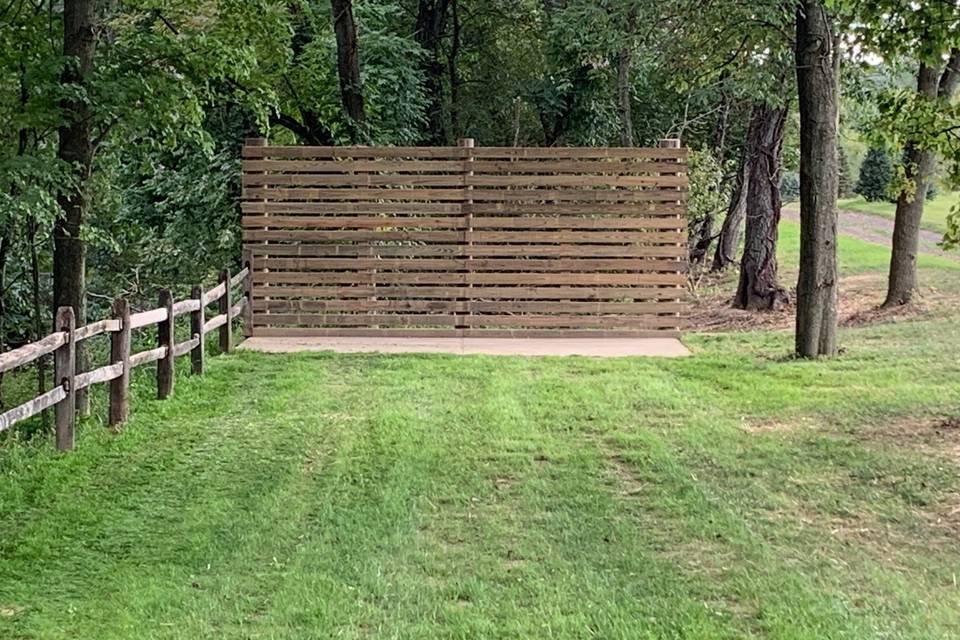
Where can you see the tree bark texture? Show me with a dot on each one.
(76, 148)
(759, 288)
(920, 165)
(430, 25)
(348, 64)
(729, 238)
(818, 86)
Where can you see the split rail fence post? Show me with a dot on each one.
(64, 373)
(165, 339)
(226, 329)
(248, 294)
(673, 143)
(467, 145)
(120, 354)
(196, 331)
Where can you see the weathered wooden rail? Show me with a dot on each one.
(62, 344)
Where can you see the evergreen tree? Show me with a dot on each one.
(875, 175)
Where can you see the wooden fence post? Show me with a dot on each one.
(226, 329)
(120, 353)
(64, 372)
(467, 145)
(196, 331)
(165, 339)
(673, 143)
(248, 294)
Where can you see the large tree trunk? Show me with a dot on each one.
(759, 288)
(348, 64)
(75, 148)
(920, 165)
(729, 239)
(818, 86)
(431, 22)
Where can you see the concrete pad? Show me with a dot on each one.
(592, 347)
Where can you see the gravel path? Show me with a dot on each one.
(864, 226)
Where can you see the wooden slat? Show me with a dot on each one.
(96, 328)
(476, 250)
(477, 292)
(476, 264)
(214, 294)
(185, 306)
(31, 407)
(433, 180)
(322, 152)
(237, 308)
(185, 347)
(452, 195)
(145, 318)
(238, 278)
(502, 222)
(547, 279)
(30, 352)
(145, 357)
(103, 374)
(469, 306)
(214, 322)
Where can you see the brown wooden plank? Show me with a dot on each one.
(544, 278)
(665, 208)
(349, 222)
(571, 180)
(214, 294)
(360, 180)
(30, 352)
(470, 306)
(353, 236)
(214, 322)
(476, 250)
(356, 320)
(145, 318)
(477, 264)
(618, 166)
(96, 328)
(408, 194)
(353, 208)
(351, 165)
(329, 153)
(145, 357)
(185, 347)
(581, 152)
(185, 306)
(31, 407)
(476, 292)
(459, 180)
(102, 374)
(598, 222)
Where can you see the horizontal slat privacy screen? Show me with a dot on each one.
(464, 241)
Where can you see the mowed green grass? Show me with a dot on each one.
(734, 494)
(934, 211)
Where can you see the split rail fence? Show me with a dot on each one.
(63, 342)
(465, 241)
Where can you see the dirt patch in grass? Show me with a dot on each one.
(860, 299)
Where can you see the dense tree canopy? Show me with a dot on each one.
(122, 135)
